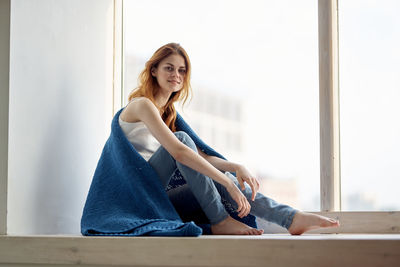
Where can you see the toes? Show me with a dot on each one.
(328, 222)
(334, 222)
(254, 231)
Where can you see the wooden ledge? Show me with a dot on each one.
(265, 250)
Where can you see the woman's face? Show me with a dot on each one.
(170, 73)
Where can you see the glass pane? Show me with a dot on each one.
(369, 96)
(255, 82)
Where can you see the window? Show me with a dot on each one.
(369, 91)
(255, 82)
(382, 222)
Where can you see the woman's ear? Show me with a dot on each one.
(153, 71)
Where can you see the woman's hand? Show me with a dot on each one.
(243, 175)
(240, 199)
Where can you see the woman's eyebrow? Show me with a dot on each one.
(174, 66)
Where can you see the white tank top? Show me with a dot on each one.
(140, 137)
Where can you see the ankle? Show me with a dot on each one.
(223, 221)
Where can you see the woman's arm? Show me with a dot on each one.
(145, 111)
(220, 164)
(242, 174)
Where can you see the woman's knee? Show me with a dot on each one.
(186, 139)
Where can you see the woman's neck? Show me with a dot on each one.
(161, 100)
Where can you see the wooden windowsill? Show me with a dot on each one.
(265, 250)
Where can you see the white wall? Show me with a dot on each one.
(60, 109)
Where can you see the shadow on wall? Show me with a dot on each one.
(60, 105)
(58, 191)
(71, 140)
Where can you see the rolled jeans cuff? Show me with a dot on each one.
(289, 219)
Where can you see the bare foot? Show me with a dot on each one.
(303, 221)
(230, 226)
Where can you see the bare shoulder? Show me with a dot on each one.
(132, 112)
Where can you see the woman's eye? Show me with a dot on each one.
(182, 71)
(169, 68)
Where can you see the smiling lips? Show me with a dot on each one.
(173, 81)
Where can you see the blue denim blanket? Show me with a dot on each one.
(126, 197)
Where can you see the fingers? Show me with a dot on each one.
(253, 191)
(240, 207)
(254, 185)
(252, 182)
(244, 208)
(241, 183)
(241, 201)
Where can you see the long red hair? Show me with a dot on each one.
(148, 85)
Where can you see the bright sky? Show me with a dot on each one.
(370, 89)
(266, 52)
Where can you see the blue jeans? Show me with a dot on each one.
(208, 192)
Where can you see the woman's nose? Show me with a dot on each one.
(176, 73)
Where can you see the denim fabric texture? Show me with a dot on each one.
(212, 197)
(262, 206)
(126, 197)
(202, 187)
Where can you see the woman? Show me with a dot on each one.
(148, 121)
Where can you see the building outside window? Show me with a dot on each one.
(369, 65)
(254, 78)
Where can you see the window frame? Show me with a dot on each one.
(118, 56)
(329, 105)
(5, 10)
(372, 221)
(377, 222)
